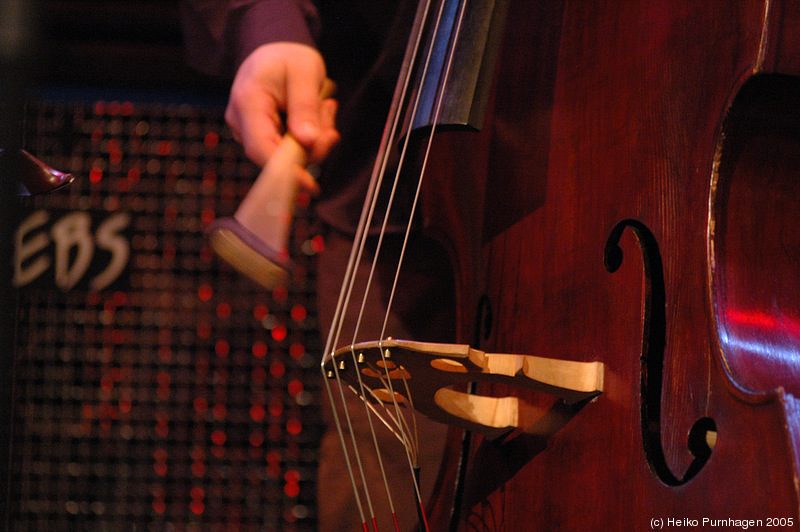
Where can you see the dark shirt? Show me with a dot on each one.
(362, 41)
(219, 35)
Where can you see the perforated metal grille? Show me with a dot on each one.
(156, 389)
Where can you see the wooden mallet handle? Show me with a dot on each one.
(255, 240)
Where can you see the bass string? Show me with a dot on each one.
(406, 235)
(346, 290)
(399, 426)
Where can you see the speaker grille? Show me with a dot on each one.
(156, 389)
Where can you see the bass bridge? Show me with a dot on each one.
(433, 379)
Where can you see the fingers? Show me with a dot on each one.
(311, 112)
(256, 97)
(254, 127)
(328, 136)
(303, 104)
(280, 77)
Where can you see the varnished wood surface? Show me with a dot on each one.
(673, 126)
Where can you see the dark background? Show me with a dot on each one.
(181, 397)
(114, 43)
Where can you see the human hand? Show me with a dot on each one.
(277, 78)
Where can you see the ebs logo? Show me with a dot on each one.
(74, 247)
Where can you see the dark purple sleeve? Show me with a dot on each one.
(220, 35)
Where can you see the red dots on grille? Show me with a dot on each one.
(113, 108)
(198, 469)
(222, 348)
(294, 426)
(95, 174)
(291, 489)
(209, 178)
(203, 330)
(260, 312)
(297, 350)
(134, 175)
(277, 369)
(299, 313)
(170, 213)
(219, 411)
(160, 469)
(276, 408)
(257, 412)
(259, 349)
(197, 507)
(318, 244)
(256, 438)
(211, 140)
(159, 506)
(219, 437)
(295, 387)
(224, 311)
(164, 147)
(208, 215)
(280, 294)
(279, 333)
(160, 465)
(205, 292)
(200, 405)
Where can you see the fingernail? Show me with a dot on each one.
(308, 130)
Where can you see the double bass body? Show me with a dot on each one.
(632, 197)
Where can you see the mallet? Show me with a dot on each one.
(255, 240)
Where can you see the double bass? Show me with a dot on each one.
(618, 193)
(630, 198)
